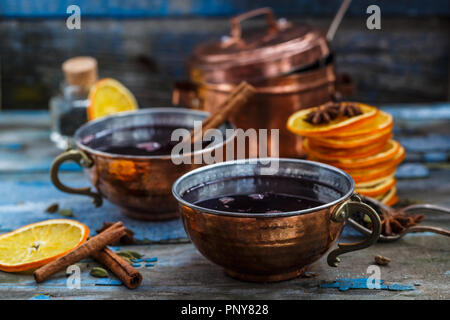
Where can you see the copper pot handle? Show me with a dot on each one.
(341, 214)
(236, 30)
(185, 94)
(84, 161)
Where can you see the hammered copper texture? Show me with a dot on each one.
(262, 249)
(275, 100)
(140, 187)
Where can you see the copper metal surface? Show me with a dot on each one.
(272, 51)
(269, 247)
(273, 59)
(139, 185)
(265, 249)
(276, 99)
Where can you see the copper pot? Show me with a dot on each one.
(290, 66)
(271, 246)
(139, 185)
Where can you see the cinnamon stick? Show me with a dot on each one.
(112, 234)
(129, 276)
(236, 90)
(237, 98)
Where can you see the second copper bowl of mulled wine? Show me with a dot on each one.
(128, 159)
(268, 219)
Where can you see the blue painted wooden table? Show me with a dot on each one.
(180, 271)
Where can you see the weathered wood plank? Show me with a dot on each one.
(182, 273)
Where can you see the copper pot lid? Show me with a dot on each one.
(277, 49)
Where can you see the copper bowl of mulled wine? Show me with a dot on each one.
(267, 219)
(129, 161)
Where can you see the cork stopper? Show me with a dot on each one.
(80, 71)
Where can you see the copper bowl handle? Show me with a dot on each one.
(236, 30)
(84, 161)
(341, 214)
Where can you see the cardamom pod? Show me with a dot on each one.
(135, 254)
(381, 260)
(125, 254)
(99, 272)
(52, 208)
(130, 254)
(130, 261)
(65, 212)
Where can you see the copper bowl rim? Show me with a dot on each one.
(84, 147)
(179, 198)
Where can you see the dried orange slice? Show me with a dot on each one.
(328, 154)
(376, 189)
(351, 142)
(39, 243)
(108, 96)
(392, 200)
(373, 173)
(389, 198)
(381, 122)
(395, 161)
(377, 181)
(389, 152)
(379, 171)
(298, 125)
(367, 174)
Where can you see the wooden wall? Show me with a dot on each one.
(144, 44)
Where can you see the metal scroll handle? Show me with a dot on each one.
(84, 161)
(342, 214)
(236, 30)
(413, 209)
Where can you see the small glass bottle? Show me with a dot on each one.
(68, 110)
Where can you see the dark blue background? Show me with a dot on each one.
(165, 8)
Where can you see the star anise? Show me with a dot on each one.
(331, 111)
(349, 110)
(397, 222)
(323, 114)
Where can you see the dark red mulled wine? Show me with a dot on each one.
(138, 141)
(151, 148)
(267, 202)
(261, 194)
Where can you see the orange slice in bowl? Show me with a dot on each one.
(108, 96)
(297, 124)
(328, 154)
(381, 122)
(36, 244)
(378, 189)
(351, 142)
(390, 151)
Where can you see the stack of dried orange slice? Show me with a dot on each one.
(356, 138)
